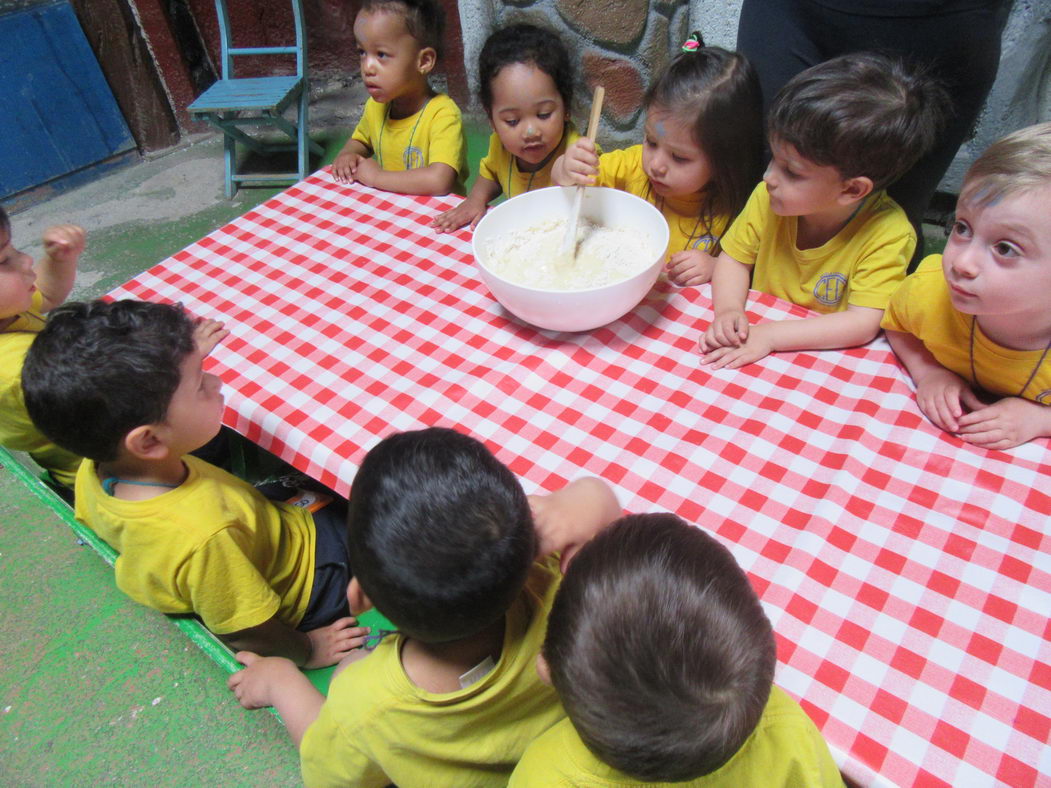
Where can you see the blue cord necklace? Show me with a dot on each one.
(111, 482)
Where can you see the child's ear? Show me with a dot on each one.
(356, 598)
(856, 188)
(426, 60)
(146, 442)
(542, 669)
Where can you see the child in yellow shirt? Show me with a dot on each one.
(409, 139)
(27, 292)
(526, 88)
(820, 230)
(977, 317)
(122, 385)
(448, 547)
(700, 156)
(664, 661)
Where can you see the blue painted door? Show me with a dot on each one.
(59, 115)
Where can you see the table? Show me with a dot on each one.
(907, 575)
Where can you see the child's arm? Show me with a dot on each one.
(856, 325)
(277, 682)
(1006, 423)
(57, 269)
(730, 281)
(472, 209)
(437, 178)
(578, 166)
(347, 159)
(941, 394)
(317, 648)
(567, 518)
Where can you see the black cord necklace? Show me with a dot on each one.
(974, 371)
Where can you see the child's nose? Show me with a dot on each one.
(965, 262)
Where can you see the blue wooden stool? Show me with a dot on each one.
(231, 103)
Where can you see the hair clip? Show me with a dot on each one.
(692, 44)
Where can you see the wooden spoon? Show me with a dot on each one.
(568, 253)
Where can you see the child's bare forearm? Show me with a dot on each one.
(298, 702)
(355, 146)
(849, 328)
(273, 638)
(913, 354)
(569, 517)
(483, 192)
(434, 179)
(57, 269)
(730, 282)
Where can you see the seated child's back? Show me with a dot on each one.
(664, 660)
(25, 295)
(443, 541)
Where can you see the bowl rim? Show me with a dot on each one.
(505, 280)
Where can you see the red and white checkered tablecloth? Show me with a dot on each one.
(907, 575)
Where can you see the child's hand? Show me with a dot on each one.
(365, 171)
(455, 218)
(208, 333)
(566, 519)
(578, 165)
(728, 329)
(690, 267)
(758, 345)
(1009, 422)
(254, 686)
(943, 395)
(328, 645)
(64, 243)
(343, 166)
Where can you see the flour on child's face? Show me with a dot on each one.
(671, 158)
(997, 260)
(528, 114)
(17, 279)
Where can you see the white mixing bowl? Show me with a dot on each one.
(573, 310)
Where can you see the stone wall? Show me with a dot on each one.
(623, 43)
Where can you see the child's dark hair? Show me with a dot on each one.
(424, 19)
(659, 649)
(5, 221)
(866, 114)
(524, 43)
(98, 370)
(440, 533)
(716, 93)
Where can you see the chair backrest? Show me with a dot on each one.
(228, 51)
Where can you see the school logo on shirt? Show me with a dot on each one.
(1044, 397)
(704, 242)
(830, 288)
(413, 158)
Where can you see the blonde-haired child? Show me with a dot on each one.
(699, 159)
(526, 88)
(27, 292)
(409, 138)
(977, 316)
(820, 230)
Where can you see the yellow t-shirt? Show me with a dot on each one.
(213, 546)
(861, 265)
(434, 135)
(785, 751)
(622, 169)
(500, 166)
(16, 429)
(922, 307)
(377, 727)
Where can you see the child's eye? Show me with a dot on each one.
(512, 122)
(675, 157)
(1006, 249)
(544, 115)
(961, 228)
(649, 142)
